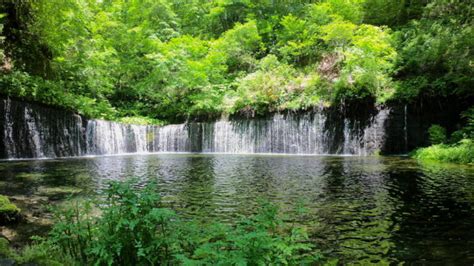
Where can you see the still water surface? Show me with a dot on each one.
(360, 209)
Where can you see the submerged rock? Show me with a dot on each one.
(9, 212)
(58, 193)
(30, 177)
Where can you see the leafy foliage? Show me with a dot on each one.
(34, 88)
(276, 86)
(178, 60)
(435, 55)
(437, 134)
(133, 228)
(462, 152)
(459, 149)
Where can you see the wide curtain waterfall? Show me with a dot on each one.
(34, 131)
(309, 133)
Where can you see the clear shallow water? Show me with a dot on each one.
(365, 209)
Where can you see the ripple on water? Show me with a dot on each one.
(365, 209)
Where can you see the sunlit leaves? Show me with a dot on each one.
(296, 42)
(276, 86)
(239, 45)
(369, 61)
(338, 33)
(173, 60)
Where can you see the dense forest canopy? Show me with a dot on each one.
(164, 60)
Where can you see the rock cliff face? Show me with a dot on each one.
(34, 131)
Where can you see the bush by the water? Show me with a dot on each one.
(458, 149)
(461, 152)
(133, 228)
(437, 134)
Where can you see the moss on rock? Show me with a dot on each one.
(9, 212)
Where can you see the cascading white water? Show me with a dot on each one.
(34, 136)
(33, 131)
(8, 139)
(173, 138)
(104, 137)
(30, 131)
(296, 134)
(225, 137)
(140, 137)
(365, 140)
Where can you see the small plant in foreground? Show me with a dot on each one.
(133, 228)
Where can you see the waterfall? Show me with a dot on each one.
(36, 142)
(104, 137)
(173, 138)
(295, 134)
(34, 131)
(405, 126)
(365, 140)
(8, 140)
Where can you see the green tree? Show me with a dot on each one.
(435, 55)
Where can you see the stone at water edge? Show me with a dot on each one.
(9, 212)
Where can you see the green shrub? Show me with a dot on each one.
(437, 134)
(457, 136)
(262, 239)
(140, 120)
(135, 229)
(72, 232)
(468, 130)
(5, 250)
(462, 152)
(55, 93)
(39, 254)
(277, 86)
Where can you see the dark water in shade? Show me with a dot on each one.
(360, 209)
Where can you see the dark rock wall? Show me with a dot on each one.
(29, 130)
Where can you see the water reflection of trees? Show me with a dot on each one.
(434, 213)
(355, 211)
(370, 210)
(190, 181)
